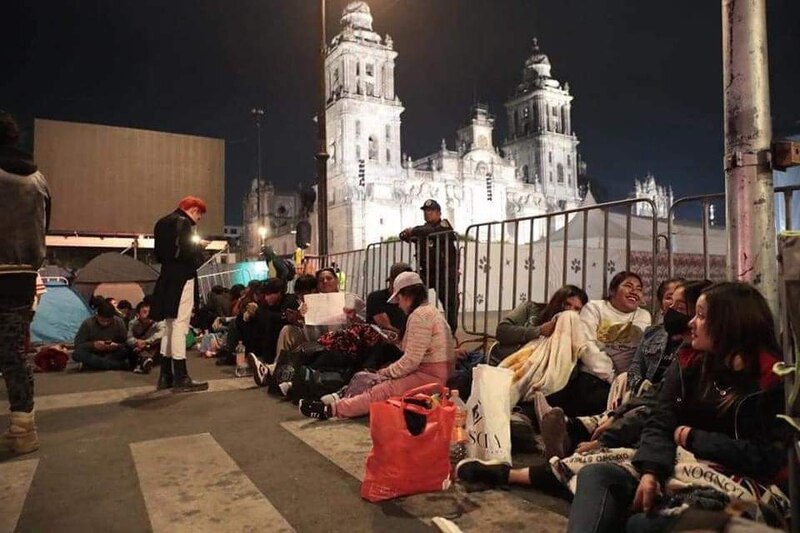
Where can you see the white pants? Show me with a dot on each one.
(173, 343)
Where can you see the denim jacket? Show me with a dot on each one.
(648, 356)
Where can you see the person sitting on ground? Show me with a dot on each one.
(614, 328)
(219, 301)
(144, 338)
(719, 400)
(327, 282)
(266, 322)
(428, 354)
(529, 321)
(100, 343)
(664, 294)
(248, 295)
(622, 426)
(292, 334)
(387, 316)
(126, 311)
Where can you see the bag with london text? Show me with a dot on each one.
(489, 414)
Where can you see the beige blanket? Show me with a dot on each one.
(545, 364)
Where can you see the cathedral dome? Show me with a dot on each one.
(357, 16)
(538, 62)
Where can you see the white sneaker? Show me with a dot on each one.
(261, 371)
(285, 387)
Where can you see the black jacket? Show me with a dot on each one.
(745, 440)
(437, 244)
(180, 257)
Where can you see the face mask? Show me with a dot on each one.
(676, 322)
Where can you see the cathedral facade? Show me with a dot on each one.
(374, 191)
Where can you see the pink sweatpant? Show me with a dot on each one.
(359, 405)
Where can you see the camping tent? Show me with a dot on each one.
(59, 315)
(115, 275)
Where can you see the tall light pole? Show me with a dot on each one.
(322, 143)
(750, 214)
(258, 113)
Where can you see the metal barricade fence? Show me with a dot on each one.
(380, 256)
(683, 256)
(510, 261)
(350, 268)
(226, 278)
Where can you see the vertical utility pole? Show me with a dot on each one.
(258, 114)
(750, 210)
(322, 143)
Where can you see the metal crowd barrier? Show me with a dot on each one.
(350, 267)
(226, 278)
(381, 256)
(502, 259)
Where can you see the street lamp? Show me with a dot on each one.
(258, 113)
(262, 232)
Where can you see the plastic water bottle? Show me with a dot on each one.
(458, 439)
(241, 361)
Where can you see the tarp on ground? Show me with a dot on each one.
(113, 268)
(59, 315)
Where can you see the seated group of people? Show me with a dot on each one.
(598, 375)
(699, 382)
(118, 338)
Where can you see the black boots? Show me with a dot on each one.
(181, 380)
(165, 379)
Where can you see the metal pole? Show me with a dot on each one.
(257, 114)
(752, 254)
(322, 143)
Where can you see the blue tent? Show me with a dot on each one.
(59, 315)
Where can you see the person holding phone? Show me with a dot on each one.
(100, 343)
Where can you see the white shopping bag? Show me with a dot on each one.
(489, 414)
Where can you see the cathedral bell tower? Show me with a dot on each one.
(540, 136)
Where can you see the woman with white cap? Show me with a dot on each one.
(428, 354)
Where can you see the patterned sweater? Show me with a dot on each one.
(427, 340)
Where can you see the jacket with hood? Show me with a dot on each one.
(744, 439)
(25, 204)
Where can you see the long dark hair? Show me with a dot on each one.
(692, 290)
(556, 303)
(418, 293)
(740, 324)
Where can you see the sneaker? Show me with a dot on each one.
(146, 366)
(260, 370)
(330, 399)
(285, 387)
(494, 473)
(242, 372)
(315, 409)
(554, 434)
(523, 436)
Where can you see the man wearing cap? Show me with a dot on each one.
(437, 257)
(382, 313)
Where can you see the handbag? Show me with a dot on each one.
(489, 414)
(410, 444)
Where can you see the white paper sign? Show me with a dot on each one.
(325, 309)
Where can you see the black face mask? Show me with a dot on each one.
(675, 322)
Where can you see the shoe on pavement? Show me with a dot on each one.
(181, 380)
(315, 409)
(21, 436)
(554, 434)
(165, 378)
(260, 370)
(494, 473)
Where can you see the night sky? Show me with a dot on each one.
(646, 75)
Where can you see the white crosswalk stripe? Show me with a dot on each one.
(200, 491)
(347, 443)
(15, 481)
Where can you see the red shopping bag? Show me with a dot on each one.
(403, 461)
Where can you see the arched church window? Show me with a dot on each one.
(569, 161)
(358, 68)
(549, 157)
(373, 148)
(388, 133)
(525, 173)
(370, 70)
(560, 173)
(358, 129)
